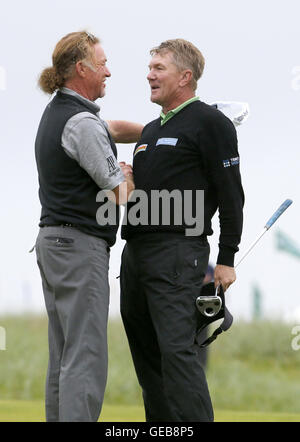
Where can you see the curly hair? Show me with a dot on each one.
(69, 50)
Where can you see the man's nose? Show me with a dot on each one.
(107, 73)
(151, 75)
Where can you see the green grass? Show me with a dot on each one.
(253, 367)
(33, 411)
(253, 372)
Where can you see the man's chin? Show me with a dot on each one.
(155, 100)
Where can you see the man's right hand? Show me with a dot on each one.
(123, 192)
(126, 169)
(224, 275)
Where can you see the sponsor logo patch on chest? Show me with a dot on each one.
(167, 141)
(141, 148)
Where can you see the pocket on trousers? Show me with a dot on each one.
(191, 262)
(60, 241)
(178, 261)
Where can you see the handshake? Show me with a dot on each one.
(121, 194)
(126, 169)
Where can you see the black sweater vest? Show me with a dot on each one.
(195, 150)
(67, 192)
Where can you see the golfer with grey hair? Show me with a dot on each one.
(76, 158)
(191, 146)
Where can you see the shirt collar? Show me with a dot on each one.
(90, 104)
(166, 117)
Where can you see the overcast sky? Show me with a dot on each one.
(252, 54)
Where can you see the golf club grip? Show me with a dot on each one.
(278, 213)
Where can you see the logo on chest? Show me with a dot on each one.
(167, 141)
(140, 148)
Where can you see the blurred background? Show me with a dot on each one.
(252, 55)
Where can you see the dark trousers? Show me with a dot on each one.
(161, 277)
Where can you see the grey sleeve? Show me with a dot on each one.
(85, 140)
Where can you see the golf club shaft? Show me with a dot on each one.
(270, 222)
(251, 247)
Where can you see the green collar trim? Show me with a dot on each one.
(166, 117)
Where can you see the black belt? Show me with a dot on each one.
(60, 225)
(142, 236)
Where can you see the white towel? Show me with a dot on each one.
(236, 111)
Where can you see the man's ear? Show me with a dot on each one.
(186, 77)
(81, 69)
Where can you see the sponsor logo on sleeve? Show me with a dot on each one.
(235, 161)
(111, 164)
(232, 162)
(113, 167)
